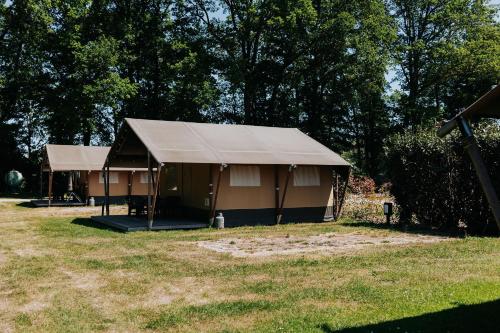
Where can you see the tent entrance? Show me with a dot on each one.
(182, 201)
(183, 192)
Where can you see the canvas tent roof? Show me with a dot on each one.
(185, 142)
(76, 158)
(487, 106)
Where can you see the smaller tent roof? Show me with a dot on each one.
(186, 142)
(76, 158)
(487, 106)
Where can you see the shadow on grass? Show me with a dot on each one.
(463, 318)
(89, 223)
(26, 204)
(412, 229)
(26, 195)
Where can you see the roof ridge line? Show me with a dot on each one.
(214, 151)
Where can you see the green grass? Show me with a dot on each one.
(63, 274)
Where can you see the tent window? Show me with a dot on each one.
(244, 175)
(306, 176)
(113, 178)
(144, 177)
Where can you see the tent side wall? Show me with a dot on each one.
(257, 205)
(118, 191)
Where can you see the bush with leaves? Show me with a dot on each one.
(433, 179)
(361, 184)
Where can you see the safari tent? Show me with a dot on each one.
(250, 174)
(74, 174)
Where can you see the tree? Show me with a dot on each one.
(433, 37)
(165, 56)
(86, 87)
(317, 65)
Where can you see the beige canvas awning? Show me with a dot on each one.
(487, 106)
(77, 158)
(184, 142)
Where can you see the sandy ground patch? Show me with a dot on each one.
(329, 242)
(83, 280)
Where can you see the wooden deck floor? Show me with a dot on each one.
(45, 203)
(133, 223)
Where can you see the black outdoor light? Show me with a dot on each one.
(388, 211)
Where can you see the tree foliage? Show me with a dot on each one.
(434, 180)
(72, 70)
(447, 54)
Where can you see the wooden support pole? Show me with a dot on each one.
(130, 180)
(107, 187)
(156, 190)
(470, 145)
(280, 212)
(343, 192)
(214, 206)
(337, 201)
(87, 187)
(210, 190)
(150, 215)
(50, 186)
(41, 181)
(277, 191)
(104, 185)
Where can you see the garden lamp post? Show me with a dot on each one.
(388, 212)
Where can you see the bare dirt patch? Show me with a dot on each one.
(83, 280)
(329, 242)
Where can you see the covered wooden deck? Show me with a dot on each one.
(134, 223)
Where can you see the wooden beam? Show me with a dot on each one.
(337, 201)
(50, 186)
(107, 186)
(87, 190)
(155, 194)
(343, 191)
(130, 182)
(104, 185)
(280, 212)
(41, 181)
(470, 145)
(214, 206)
(277, 192)
(210, 189)
(150, 216)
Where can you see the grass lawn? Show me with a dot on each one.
(60, 273)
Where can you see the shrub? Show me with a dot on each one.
(361, 184)
(434, 180)
(366, 207)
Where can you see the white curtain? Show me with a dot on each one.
(144, 177)
(306, 176)
(244, 175)
(113, 178)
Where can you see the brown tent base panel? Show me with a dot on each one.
(132, 223)
(57, 203)
(267, 216)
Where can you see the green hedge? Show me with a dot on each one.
(434, 181)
